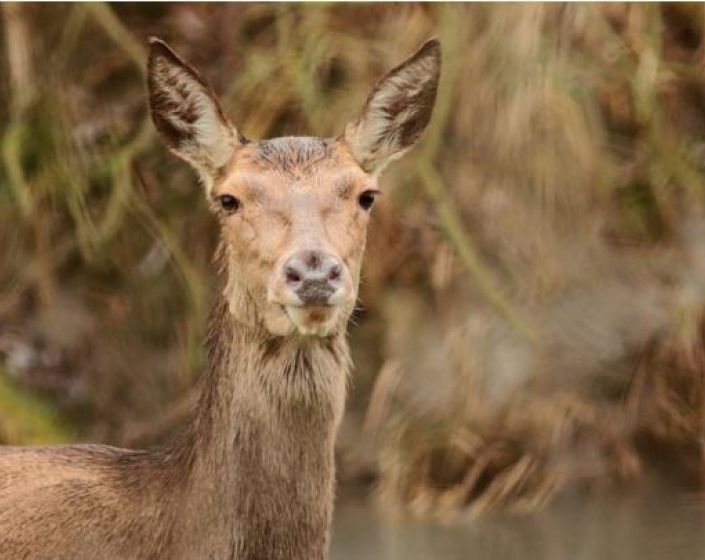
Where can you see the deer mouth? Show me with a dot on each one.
(312, 320)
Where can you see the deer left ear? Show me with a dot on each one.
(397, 111)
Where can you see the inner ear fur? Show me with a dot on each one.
(397, 110)
(186, 112)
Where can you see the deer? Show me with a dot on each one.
(252, 473)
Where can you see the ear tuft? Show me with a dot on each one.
(186, 112)
(397, 111)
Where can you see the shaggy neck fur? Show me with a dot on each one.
(259, 452)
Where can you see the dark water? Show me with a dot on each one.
(655, 527)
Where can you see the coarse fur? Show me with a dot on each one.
(252, 474)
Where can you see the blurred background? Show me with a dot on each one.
(530, 344)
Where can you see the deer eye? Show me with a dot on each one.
(366, 199)
(228, 203)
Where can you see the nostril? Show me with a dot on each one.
(292, 276)
(334, 274)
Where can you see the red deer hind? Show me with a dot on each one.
(252, 474)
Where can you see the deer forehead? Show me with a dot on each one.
(290, 172)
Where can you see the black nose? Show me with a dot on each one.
(315, 277)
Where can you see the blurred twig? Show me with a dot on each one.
(192, 281)
(22, 94)
(116, 30)
(21, 85)
(433, 184)
(120, 168)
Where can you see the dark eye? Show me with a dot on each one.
(366, 199)
(228, 203)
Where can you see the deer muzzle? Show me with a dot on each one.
(311, 286)
(313, 278)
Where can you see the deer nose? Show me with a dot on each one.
(315, 277)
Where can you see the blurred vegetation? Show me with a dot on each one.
(27, 419)
(533, 291)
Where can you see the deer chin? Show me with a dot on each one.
(313, 320)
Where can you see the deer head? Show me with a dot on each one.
(293, 211)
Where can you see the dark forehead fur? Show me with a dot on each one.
(293, 153)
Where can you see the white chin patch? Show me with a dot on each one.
(312, 321)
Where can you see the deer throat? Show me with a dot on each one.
(262, 465)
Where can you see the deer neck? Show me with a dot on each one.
(261, 449)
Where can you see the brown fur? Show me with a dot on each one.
(252, 474)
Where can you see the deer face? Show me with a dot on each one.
(293, 211)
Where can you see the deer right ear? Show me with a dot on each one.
(186, 112)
